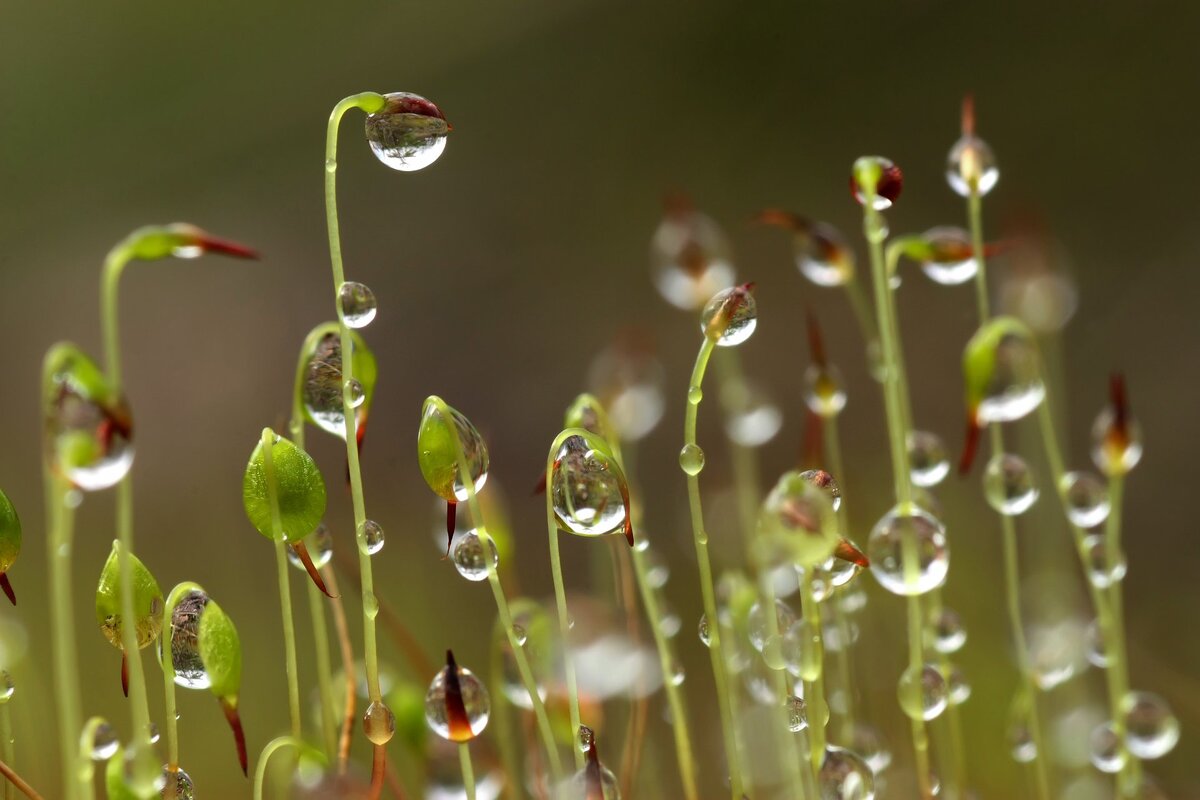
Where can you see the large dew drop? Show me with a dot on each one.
(799, 516)
(844, 775)
(1003, 369)
(443, 435)
(356, 304)
(1086, 499)
(908, 551)
(322, 386)
(689, 257)
(379, 723)
(319, 544)
(471, 556)
(370, 537)
(923, 692)
(953, 271)
(1008, 484)
(408, 133)
(1151, 729)
(587, 488)
(731, 316)
(457, 705)
(185, 640)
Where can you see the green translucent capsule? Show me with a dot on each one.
(319, 382)
(799, 517)
(443, 434)
(298, 486)
(147, 601)
(10, 543)
(588, 489)
(178, 240)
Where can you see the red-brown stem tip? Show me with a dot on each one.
(229, 706)
(451, 516)
(124, 673)
(540, 486)
(968, 114)
(781, 219)
(456, 709)
(593, 776)
(8, 589)
(225, 247)
(302, 553)
(846, 551)
(816, 342)
(378, 771)
(970, 443)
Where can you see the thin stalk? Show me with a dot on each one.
(167, 661)
(368, 102)
(746, 480)
(833, 452)
(260, 773)
(6, 732)
(1012, 579)
(502, 716)
(635, 727)
(16, 780)
(526, 672)
(815, 691)
(1129, 780)
(468, 772)
(66, 659)
(347, 655)
(867, 323)
(897, 437)
(285, 590)
(779, 679)
(700, 535)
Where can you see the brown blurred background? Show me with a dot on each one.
(505, 267)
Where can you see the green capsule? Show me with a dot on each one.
(299, 491)
(444, 432)
(10, 543)
(800, 517)
(147, 601)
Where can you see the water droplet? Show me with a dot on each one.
(844, 775)
(586, 738)
(535, 640)
(1097, 648)
(322, 387)
(581, 783)
(629, 380)
(889, 181)
(185, 641)
(958, 688)
(7, 687)
(357, 394)
(587, 488)
(772, 652)
(949, 271)
(753, 419)
(177, 785)
(105, 742)
(896, 533)
(370, 537)
(153, 733)
(798, 516)
(519, 634)
(797, 713)
(691, 459)
(408, 133)
(437, 455)
(656, 569)
(356, 304)
(676, 674)
(756, 623)
(669, 623)
(469, 559)
(88, 432)
(868, 742)
(731, 316)
(443, 718)
(823, 256)
(946, 631)
(1151, 729)
(379, 723)
(824, 392)
(822, 580)
(1057, 651)
(826, 483)
(1115, 452)
(1008, 484)
(1105, 750)
(690, 257)
(922, 692)
(1012, 387)
(704, 632)
(695, 395)
(1020, 740)
(319, 544)
(928, 463)
(971, 163)
(1100, 571)
(1086, 499)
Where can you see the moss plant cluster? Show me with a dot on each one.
(780, 627)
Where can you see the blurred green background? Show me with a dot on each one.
(506, 266)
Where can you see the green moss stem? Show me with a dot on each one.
(285, 590)
(61, 517)
(468, 772)
(845, 670)
(264, 758)
(368, 102)
(700, 535)
(815, 689)
(1129, 780)
(167, 662)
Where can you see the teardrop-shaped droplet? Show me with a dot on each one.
(457, 706)
(691, 459)
(825, 391)
(946, 631)
(1103, 568)
(408, 133)
(704, 631)
(147, 601)
(370, 537)
(588, 491)
(1008, 484)
(185, 640)
(471, 556)
(105, 742)
(844, 775)
(1105, 750)
(356, 304)
(355, 393)
(177, 785)
(797, 713)
(971, 165)
(322, 384)
(731, 316)
(958, 688)
(1151, 728)
(887, 177)
(444, 433)
(585, 739)
(928, 461)
(799, 517)
(379, 723)
(690, 257)
(695, 395)
(319, 544)
(908, 551)
(1086, 499)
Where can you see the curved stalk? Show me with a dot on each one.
(273, 746)
(833, 452)
(1129, 780)
(285, 591)
(700, 535)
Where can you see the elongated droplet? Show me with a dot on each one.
(370, 537)
(691, 459)
(356, 304)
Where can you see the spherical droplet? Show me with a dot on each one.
(731, 316)
(946, 631)
(1014, 386)
(757, 624)
(691, 459)
(1086, 499)
(437, 454)
(898, 532)
(971, 164)
(823, 256)
(587, 488)
(958, 688)
(105, 742)
(1008, 484)
(1105, 750)
(178, 785)
(379, 723)
(798, 517)
(923, 693)
(868, 742)
(753, 418)
(469, 558)
(319, 544)
(1151, 729)
(690, 258)
(629, 381)
(826, 483)
(949, 271)
(797, 713)
(189, 668)
(408, 133)
(889, 181)
(89, 435)
(844, 775)
(586, 738)
(581, 785)
(370, 537)
(475, 702)
(356, 304)
(1103, 569)
(357, 394)
(928, 463)
(1114, 451)
(824, 392)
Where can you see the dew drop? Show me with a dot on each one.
(105, 742)
(946, 631)
(757, 628)
(730, 317)
(319, 544)
(971, 163)
(587, 488)
(408, 133)
(469, 558)
(379, 723)
(928, 463)
(899, 531)
(923, 693)
(844, 775)
(356, 304)
(1020, 740)
(581, 785)
(826, 483)
(1100, 571)
(1008, 484)
(949, 272)
(1097, 648)
(868, 742)
(1104, 749)
(676, 674)
(357, 394)
(690, 258)
(669, 623)
(1086, 499)
(185, 640)
(824, 390)
(585, 739)
(370, 537)
(695, 395)
(629, 380)
(89, 436)
(888, 185)
(958, 688)
(772, 652)
(703, 631)
(1115, 452)
(656, 569)
(152, 732)
(1151, 729)
(691, 459)
(754, 419)
(823, 256)
(797, 713)
(798, 517)
(7, 687)
(475, 702)
(322, 388)
(1015, 387)
(520, 634)
(437, 456)
(178, 785)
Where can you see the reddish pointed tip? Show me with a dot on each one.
(540, 487)
(629, 531)
(816, 342)
(847, 551)
(1120, 401)
(225, 247)
(124, 673)
(968, 114)
(451, 516)
(8, 589)
(970, 444)
(781, 219)
(748, 287)
(813, 445)
(302, 553)
(239, 736)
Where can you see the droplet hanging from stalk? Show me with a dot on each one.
(457, 705)
(1008, 484)
(821, 252)
(408, 133)
(1116, 434)
(356, 304)
(147, 606)
(10, 544)
(971, 165)
(844, 775)
(595, 781)
(88, 428)
(898, 531)
(445, 434)
(883, 174)
(731, 316)
(799, 516)
(588, 490)
(825, 391)
(629, 380)
(319, 383)
(690, 257)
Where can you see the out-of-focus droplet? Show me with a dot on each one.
(630, 382)
(954, 271)
(845, 775)
(1021, 743)
(823, 256)
(1097, 647)
(520, 634)
(1103, 568)
(356, 304)
(824, 390)
(958, 688)
(923, 693)
(826, 483)
(731, 316)
(471, 556)
(753, 418)
(105, 742)
(898, 532)
(457, 706)
(799, 517)
(704, 631)
(1086, 499)
(408, 133)
(757, 627)
(370, 537)
(7, 687)
(379, 723)
(888, 179)
(797, 713)
(971, 165)
(588, 491)
(1003, 370)
(690, 258)
(1151, 729)
(868, 742)
(691, 459)
(322, 384)
(946, 631)
(319, 544)
(1105, 750)
(178, 785)
(1008, 484)
(676, 674)
(1116, 435)
(585, 739)
(928, 462)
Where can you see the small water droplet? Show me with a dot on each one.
(704, 631)
(1103, 570)
(922, 692)
(519, 634)
(757, 628)
(949, 271)
(1086, 499)
(1097, 648)
(7, 687)
(356, 392)
(676, 674)
(586, 738)
(370, 537)
(177, 785)
(370, 605)
(753, 418)
(656, 569)
(408, 133)
(958, 688)
(1105, 750)
(690, 257)
(1008, 484)
(1115, 452)
(888, 185)
(797, 713)
(153, 733)
(730, 317)
(971, 163)
(331, 165)
(469, 558)
(1151, 729)
(356, 304)
(1013, 386)
(824, 390)
(475, 702)
(823, 256)
(893, 536)
(1020, 740)
(695, 395)
(104, 742)
(946, 631)
(379, 723)
(845, 775)
(691, 459)
(928, 462)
